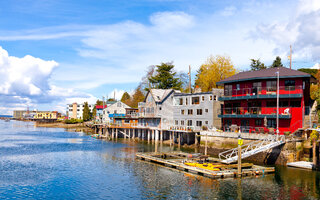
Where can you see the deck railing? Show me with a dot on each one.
(256, 91)
(254, 111)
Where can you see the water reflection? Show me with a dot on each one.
(40, 163)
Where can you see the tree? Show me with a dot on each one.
(99, 103)
(94, 113)
(277, 62)
(86, 112)
(184, 78)
(145, 84)
(125, 97)
(257, 65)
(165, 77)
(137, 97)
(111, 99)
(215, 69)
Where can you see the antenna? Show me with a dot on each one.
(190, 79)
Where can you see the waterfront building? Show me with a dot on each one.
(54, 115)
(196, 111)
(250, 100)
(157, 108)
(75, 110)
(130, 119)
(18, 114)
(116, 109)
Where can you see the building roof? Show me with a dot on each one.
(264, 74)
(100, 106)
(159, 95)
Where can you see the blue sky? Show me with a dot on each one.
(83, 50)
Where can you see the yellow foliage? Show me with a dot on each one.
(314, 89)
(214, 70)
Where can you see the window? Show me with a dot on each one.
(256, 88)
(190, 112)
(296, 104)
(199, 123)
(195, 100)
(238, 86)
(159, 108)
(228, 90)
(186, 101)
(78, 110)
(271, 123)
(289, 84)
(206, 122)
(258, 122)
(176, 122)
(202, 98)
(199, 111)
(271, 104)
(182, 112)
(182, 122)
(126, 121)
(210, 97)
(215, 97)
(78, 106)
(118, 104)
(189, 123)
(284, 104)
(70, 109)
(180, 101)
(271, 86)
(206, 110)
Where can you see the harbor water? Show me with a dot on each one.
(52, 163)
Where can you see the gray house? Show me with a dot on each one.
(196, 111)
(157, 108)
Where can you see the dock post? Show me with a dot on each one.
(206, 145)
(161, 135)
(116, 133)
(314, 153)
(156, 135)
(239, 161)
(173, 137)
(152, 135)
(195, 139)
(133, 133)
(170, 138)
(148, 132)
(179, 139)
(112, 132)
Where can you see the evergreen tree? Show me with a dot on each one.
(94, 113)
(277, 62)
(86, 112)
(257, 65)
(165, 77)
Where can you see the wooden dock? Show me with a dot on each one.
(176, 160)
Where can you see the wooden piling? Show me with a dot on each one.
(239, 161)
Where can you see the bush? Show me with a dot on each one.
(73, 121)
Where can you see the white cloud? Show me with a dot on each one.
(316, 66)
(301, 30)
(228, 11)
(116, 93)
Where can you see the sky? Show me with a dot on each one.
(55, 52)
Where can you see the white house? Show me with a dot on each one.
(75, 110)
(116, 109)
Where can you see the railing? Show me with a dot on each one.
(256, 91)
(252, 148)
(254, 111)
(249, 129)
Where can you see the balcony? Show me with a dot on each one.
(254, 112)
(262, 92)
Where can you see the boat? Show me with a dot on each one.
(7, 120)
(208, 166)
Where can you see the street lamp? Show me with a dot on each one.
(277, 103)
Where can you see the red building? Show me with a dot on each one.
(250, 100)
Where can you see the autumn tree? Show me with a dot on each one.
(99, 103)
(165, 77)
(277, 62)
(257, 65)
(137, 97)
(94, 113)
(145, 83)
(126, 98)
(214, 70)
(86, 112)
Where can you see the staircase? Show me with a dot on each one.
(252, 148)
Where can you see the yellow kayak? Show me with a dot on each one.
(208, 166)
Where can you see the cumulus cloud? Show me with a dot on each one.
(25, 83)
(301, 31)
(316, 66)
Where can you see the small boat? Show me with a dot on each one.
(208, 166)
(7, 120)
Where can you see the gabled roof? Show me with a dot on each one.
(264, 74)
(159, 95)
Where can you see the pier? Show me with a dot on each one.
(176, 160)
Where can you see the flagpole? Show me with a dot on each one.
(277, 103)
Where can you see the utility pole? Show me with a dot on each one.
(190, 79)
(290, 56)
(277, 102)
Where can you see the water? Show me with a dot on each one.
(47, 163)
